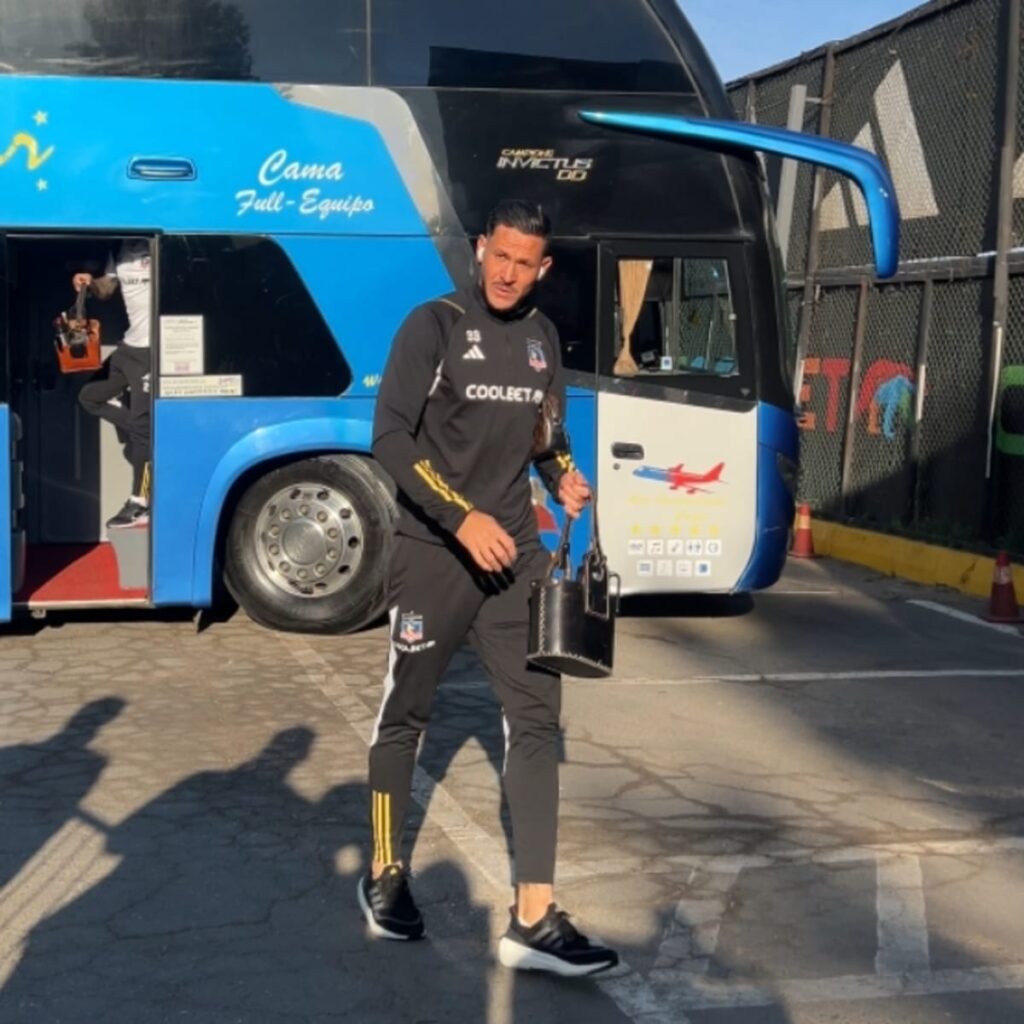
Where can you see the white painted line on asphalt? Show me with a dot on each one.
(955, 613)
(696, 994)
(730, 864)
(626, 987)
(69, 863)
(856, 675)
(902, 923)
(798, 593)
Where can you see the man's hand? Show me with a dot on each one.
(80, 281)
(573, 492)
(490, 546)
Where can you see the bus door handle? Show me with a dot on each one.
(162, 169)
(624, 450)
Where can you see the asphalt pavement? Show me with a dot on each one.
(807, 806)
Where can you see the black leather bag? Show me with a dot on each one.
(572, 621)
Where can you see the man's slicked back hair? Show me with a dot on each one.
(525, 217)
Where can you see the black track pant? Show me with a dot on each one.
(126, 370)
(436, 601)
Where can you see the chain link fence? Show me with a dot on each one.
(907, 425)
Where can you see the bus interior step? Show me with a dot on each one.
(74, 575)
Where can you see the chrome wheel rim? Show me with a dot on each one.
(309, 540)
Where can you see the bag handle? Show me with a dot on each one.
(79, 306)
(595, 532)
(560, 558)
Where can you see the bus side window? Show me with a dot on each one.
(240, 40)
(674, 316)
(592, 45)
(568, 297)
(259, 320)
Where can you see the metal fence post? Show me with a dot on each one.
(787, 179)
(750, 103)
(923, 337)
(851, 412)
(1004, 224)
(814, 232)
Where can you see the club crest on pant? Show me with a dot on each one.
(411, 630)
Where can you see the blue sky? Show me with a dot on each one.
(747, 35)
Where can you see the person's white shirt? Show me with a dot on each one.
(131, 267)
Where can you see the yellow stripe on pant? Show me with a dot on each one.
(383, 852)
(376, 827)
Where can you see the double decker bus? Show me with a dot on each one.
(302, 176)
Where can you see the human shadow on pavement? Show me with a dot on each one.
(233, 898)
(42, 784)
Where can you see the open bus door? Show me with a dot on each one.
(694, 467)
(67, 470)
(677, 420)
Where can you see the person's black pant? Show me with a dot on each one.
(128, 370)
(436, 600)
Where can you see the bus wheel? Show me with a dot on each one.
(308, 546)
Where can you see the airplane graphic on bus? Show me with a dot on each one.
(679, 479)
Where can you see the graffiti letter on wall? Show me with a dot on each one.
(834, 370)
(885, 393)
(887, 387)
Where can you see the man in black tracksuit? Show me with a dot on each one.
(454, 427)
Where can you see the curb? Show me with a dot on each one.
(910, 559)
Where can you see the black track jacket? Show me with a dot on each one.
(456, 412)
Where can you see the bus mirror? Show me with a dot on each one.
(863, 167)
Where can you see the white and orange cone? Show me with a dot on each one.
(1002, 605)
(803, 539)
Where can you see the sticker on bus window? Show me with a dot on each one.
(181, 346)
(664, 567)
(645, 568)
(713, 548)
(675, 547)
(656, 547)
(637, 547)
(695, 548)
(684, 568)
(703, 568)
(225, 386)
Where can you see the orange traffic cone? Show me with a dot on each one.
(1002, 605)
(803, 539)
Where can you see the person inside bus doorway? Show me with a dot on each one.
(454, 427)
(122, 395)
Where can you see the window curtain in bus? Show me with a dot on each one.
(634, 276)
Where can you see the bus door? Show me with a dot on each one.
(676, 416)
(76, 470)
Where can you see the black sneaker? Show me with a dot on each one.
(553, 944)
(388, 906)
(133, 513)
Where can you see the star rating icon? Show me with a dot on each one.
(42, 185)
(41, 117)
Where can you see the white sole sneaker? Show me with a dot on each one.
(376, 930)
(521, 958)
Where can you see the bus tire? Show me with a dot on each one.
(308, 546)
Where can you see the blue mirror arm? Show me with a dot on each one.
(860, 165)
